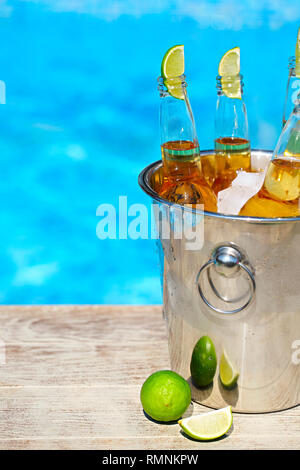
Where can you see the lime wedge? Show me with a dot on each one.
(208, 426)
(173, 62)
(172, 67)
(229, 69)
(297, 63)
(282, 184)
(228, 374)
(230, 62)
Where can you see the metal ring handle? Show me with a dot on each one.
(217, 293)
(218, 310)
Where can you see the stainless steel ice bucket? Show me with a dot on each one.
(242, 289)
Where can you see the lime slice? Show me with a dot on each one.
(172, 67)
(230, 62)
(208, 426)
(282, 178)
(173, 62)
(229, 69)
(228, 374)
(297, 63)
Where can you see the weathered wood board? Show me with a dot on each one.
(70, 378)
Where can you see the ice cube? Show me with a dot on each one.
(243, 187)
(260, 160)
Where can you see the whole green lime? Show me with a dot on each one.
(203, 362)
(165, 395)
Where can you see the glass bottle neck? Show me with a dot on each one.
(292, 90)
(291, 66)
(176, 116)
(172, 87)
(230, 83)
(231, 115)
(294, 67)
(179, 142)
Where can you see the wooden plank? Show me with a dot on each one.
(110, 414)
(81, 345)
(72, 380)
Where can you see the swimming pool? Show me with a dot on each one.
(81, 121)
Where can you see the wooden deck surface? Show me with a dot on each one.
(70, 378)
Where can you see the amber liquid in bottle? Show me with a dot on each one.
(231, 154)
(184, 182)
(279, 197)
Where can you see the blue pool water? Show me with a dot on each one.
(81, 121)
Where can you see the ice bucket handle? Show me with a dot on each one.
(228, 260)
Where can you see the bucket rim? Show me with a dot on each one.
(143, 180)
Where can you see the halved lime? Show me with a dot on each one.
(229, 69)
(172, 67)
(228, 374)
(297, 63)
(208, 426)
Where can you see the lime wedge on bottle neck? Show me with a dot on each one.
(297, 62)
(172, 68)
(229, 70)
